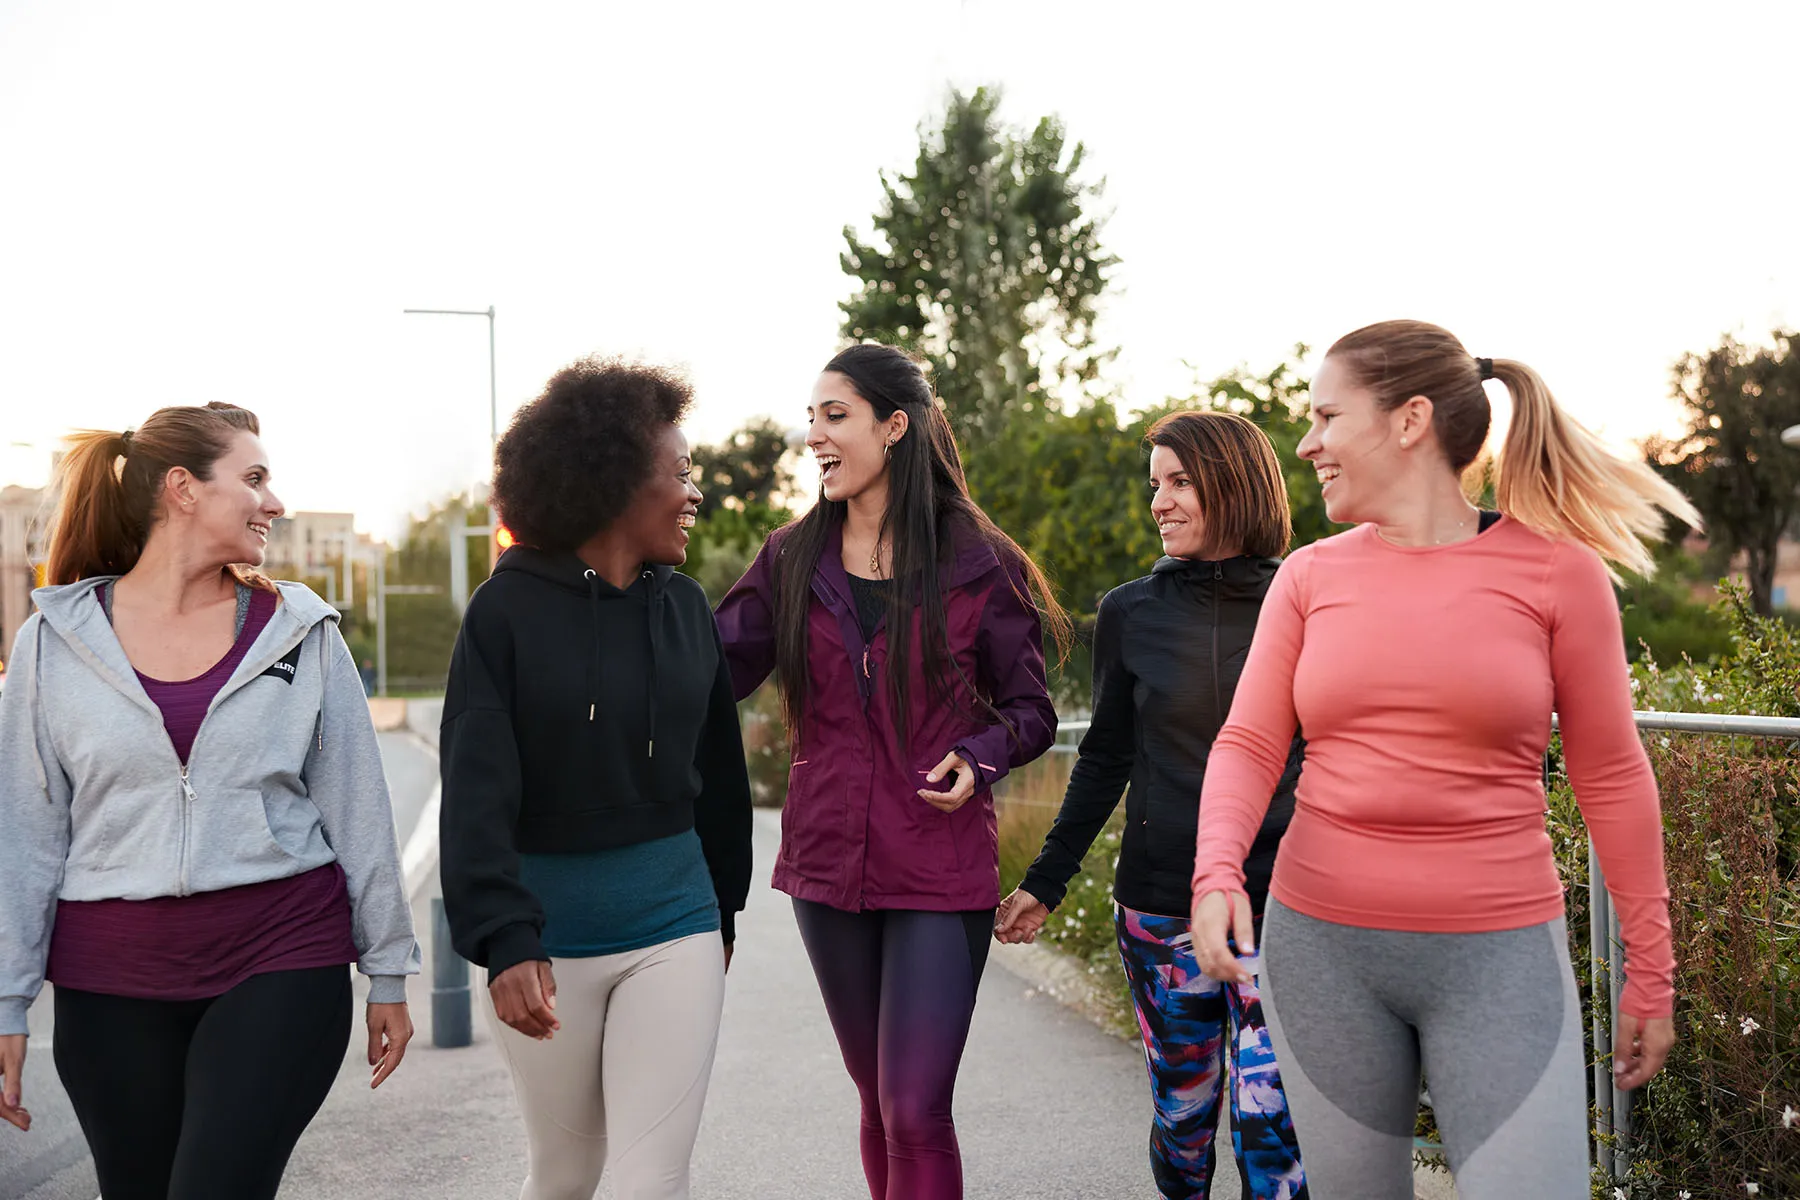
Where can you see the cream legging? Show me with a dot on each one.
(622, 1083)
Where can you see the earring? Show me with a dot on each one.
(1403, 443)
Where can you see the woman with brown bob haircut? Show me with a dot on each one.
(1167, 652)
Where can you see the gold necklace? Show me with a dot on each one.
(875, 560)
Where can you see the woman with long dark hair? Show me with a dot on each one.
(905, 630)
(1415, 918)
(198, 837)
(1168, 650)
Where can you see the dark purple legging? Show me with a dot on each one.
(899, 987)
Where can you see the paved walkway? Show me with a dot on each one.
(1048, 1106)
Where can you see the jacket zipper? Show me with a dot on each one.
(187, 817)
(1218, 697)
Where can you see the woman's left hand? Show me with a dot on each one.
(390, 1029)
(959, 792)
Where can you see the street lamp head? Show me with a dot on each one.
(1791, 436)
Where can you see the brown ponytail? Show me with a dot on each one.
(110, 485)
(1552, 475)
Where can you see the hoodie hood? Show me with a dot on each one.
(73, 612)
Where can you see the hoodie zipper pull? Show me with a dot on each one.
(187, 789)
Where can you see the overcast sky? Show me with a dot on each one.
(235, 201)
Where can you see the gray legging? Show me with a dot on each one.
(1493, 1019)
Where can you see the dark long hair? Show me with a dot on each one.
(110, 486)
(928, 513)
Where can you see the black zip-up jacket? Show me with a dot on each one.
(579, 717)
(1168, 651)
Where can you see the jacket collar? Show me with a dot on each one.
(1244, 577)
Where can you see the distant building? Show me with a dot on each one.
(305, 543)
(24, 518)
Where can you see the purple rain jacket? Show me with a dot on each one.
(854, 833)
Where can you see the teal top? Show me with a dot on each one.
(628, 898)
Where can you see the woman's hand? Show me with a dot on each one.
(525, 998)
(390, 1029)
(1020, 917)
(12, 1066)
(1218, 919)
(1640, 1047)
(959, 792)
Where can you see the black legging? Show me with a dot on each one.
(202, 1099)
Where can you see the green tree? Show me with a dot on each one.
(1730, 460)
(987, 261)
(751, 468)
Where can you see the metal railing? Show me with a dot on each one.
(1606, 966)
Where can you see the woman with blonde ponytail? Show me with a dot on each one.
(1415, 918)
(206, 841)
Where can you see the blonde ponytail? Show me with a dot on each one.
(1557, 478)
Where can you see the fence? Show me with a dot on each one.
(1612, 1123)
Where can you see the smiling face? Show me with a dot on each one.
(1353, 446)
(230, 513)
(664, 508)
(1175, 503)
(848, 439)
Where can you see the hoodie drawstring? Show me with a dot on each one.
(593, 581)
(656, 601)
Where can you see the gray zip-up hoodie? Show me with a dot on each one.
(284, 776)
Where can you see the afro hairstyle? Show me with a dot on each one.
(572, 460)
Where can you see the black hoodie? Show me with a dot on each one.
(577, 718)
(1168, 651)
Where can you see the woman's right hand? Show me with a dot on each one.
(1218, 919)
(12, 1066)
(1020, 917)
(524, 996)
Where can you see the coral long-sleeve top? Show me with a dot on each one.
(1424, 679)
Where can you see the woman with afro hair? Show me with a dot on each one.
(596, 811)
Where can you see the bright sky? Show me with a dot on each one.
(235, 201)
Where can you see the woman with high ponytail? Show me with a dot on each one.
(1415, 918)
(206, 841)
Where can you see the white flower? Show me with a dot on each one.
(1637, 684)
(1750, 1189)
(1789, 1117)
(1619, 1194)
(1664, 742)
(1081, 912)
(1748, 1025)
(1717, 696)
(1070, 921)
(1684, 1195)
(1721, 1019)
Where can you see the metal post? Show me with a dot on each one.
(381, 625)
(1599, 970)
(456, 528)
(1621, 1100)
(493, 391)
(450, 1024)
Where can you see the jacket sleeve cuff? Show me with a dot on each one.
(728, 926)
(988, 771)
(12, 1016)
(1047, 891)
(387, 989)
(512, 945)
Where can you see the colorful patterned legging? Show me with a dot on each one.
(1196, 1032)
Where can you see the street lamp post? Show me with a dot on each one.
(493, 392)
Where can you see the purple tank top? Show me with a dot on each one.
(199, 946)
